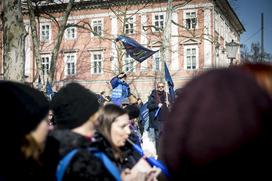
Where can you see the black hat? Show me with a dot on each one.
(73, 105)
(23, 107)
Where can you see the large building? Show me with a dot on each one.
(192, 41)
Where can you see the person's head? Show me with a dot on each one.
(160, 86)
(23, 117)
(122, 75)
(113, 124)
(220, 127)
(51, 120)
(133, 111)
(75, 107)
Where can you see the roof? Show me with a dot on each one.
(92, 4)
(228, 11)
(223, 5)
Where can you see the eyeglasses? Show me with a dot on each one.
(160, 86)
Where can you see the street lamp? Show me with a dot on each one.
(232, 48)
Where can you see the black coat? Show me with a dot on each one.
(30, 170)
(153, 101)
(83, 166)
(130, 157)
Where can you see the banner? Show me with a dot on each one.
(134, 49)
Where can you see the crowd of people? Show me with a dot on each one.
(219, 127)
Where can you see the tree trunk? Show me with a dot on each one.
(55, 51)
(165, 48)
(13, 41)
(35, 39)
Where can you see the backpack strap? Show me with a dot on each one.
(111, 167)
(63, 164)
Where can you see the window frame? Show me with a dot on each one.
(47, 68)
(156, 66)
(191, 47)
(129, 63)
(66, 62)
(93, 34)
(66, 33)
(161, 23)
(130, 21)
(97, 60)
(185, 19)
(42, 39)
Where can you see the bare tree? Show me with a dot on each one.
(245, 55)
(256, 52)
(254, 55)
(35, 11)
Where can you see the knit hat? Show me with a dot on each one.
(23, 107)
(219, 128)
(133, 111)
(73, 105)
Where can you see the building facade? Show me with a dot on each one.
(191, 38)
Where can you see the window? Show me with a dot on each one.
(45, 64)
(129, 64)
(45, 32)
(70, 64)
(190, 20)
(96, 62)
(221, 28)
(216, 23)
(129, 25)
(156, 63)
(158, 22)
(70, 33)
(191, 58)
(97, 27)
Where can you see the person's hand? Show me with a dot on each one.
(160, 105)
(128, 175)
(152, 174)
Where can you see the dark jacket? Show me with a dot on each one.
(29, 169)
(129, 156)
(153, 101)
(83, 166)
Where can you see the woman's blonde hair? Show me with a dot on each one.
(31, 148)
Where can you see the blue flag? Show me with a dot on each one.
(39, 84)
(49, 91)
(144, 115)
(134, 49)
(152, 161)
(170, 82)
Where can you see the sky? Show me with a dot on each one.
(249, 13)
